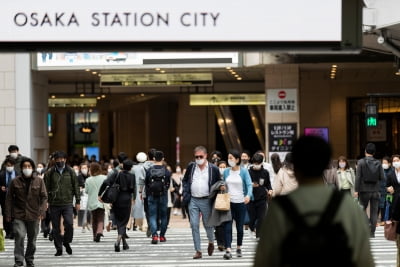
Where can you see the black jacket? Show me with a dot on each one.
(364, 167)
(213, 177)
(260, 190)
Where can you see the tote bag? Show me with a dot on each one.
(390, 230)
(223, 202)
(1, 240)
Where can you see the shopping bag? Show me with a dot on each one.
(223, 202)
(1, 240)
(390, 228)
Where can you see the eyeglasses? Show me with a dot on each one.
(199, 157)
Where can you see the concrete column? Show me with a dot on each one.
(282, 76)
(7, 102)
(23, 105)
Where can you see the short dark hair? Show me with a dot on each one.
(127, 164)
(12, 148)
(122, 156)
(59, 154)
(235, 153)
(151, 153)
(158, 155)
(9, 160)
(257, 158)
(311, 147)
(370, 148)
(26, 159)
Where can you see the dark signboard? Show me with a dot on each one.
(281, 136)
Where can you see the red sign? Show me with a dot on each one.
(282, 94)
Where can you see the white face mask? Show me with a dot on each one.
(27, 172)
(109, 170)
(14, 155)
(76, 172)
(10, 168)
(256, 167)
(232, 163)
(84, 172)
(385, 166)
(39, 170)
(221, 170)
(342, 164)
(396, 164)
(200, 161)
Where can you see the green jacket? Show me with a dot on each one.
(62, 188)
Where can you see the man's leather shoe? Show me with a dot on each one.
(210, 249)
(197, 255)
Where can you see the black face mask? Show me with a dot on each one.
(60, 164)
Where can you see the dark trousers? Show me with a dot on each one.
(257, 210)
(238, 211)
(8, 226)
(373, 199)
(22, 229)
(56, 212)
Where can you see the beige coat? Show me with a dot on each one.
(284, 182)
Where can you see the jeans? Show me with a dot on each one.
(373, 199)
(238, 211)
(197, 206)
(67, 213)
(22, 228)
(157, 209)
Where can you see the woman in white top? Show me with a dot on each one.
(345, 175)
(239, 186)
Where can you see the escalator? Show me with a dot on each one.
(240, 127)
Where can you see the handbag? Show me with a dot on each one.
(223, 202)
(110, 194)
(390, 228)
(1, 240)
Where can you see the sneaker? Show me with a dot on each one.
(227, 255)
(163, 239)
(239, 253)
(154, 240)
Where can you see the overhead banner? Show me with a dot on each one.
(173, 20)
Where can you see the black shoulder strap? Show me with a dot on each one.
(291, 211)
(297, 219)
(331, 208)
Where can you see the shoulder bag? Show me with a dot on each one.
(390, 230)
(110, 194)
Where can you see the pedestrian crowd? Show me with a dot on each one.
(46, 197)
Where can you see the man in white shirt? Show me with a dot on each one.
(199, 177)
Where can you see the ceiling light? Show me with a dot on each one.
(99, 74)
(334, 66)
(239, 78)
(236, 75)
(94, 72)
(162, 71)
(53, 96)
(103, 96)
(87, 69)
(228, 68)
(98, 98)
(82, 95)
(157, 69)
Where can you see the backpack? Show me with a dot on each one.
(323, 244)
(372, 171)
(157, 181)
